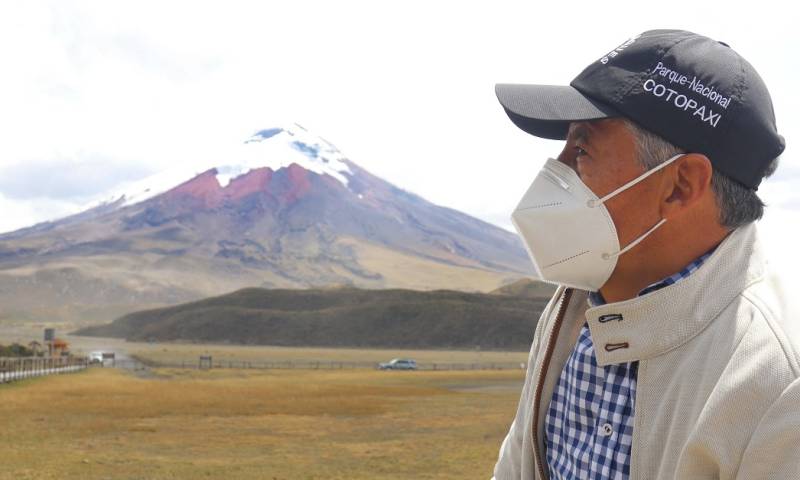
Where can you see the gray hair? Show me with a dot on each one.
(738, 205)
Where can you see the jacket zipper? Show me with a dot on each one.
(542, 373)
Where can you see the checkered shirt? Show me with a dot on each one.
(589, 424)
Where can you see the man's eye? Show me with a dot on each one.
(579, 151)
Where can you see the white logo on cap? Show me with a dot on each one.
(681, 101)
(616, 51)
(708, 91)
(686, 102)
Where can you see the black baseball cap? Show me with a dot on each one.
(695, 92)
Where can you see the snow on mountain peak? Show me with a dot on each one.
(273, 147)
(280, 147)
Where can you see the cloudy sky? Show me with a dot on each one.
(93, 94)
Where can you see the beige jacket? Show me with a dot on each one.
(718, 387)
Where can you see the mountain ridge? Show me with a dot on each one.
(303, 216)
(340, 317)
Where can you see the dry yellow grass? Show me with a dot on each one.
(186, 352)
(243, 424)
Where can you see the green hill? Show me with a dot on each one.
(344, 317)
(526, 287)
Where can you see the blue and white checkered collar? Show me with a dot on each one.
(649, 325)
(596, 298)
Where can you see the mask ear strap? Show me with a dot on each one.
(593, 203)
(607, 256)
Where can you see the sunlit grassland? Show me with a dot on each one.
(265, 424)
(169, 353)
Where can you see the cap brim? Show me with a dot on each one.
(547, 110)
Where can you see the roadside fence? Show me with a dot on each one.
(204, 363)
(19, 368)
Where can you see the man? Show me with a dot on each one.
(669, 351)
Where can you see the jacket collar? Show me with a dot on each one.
(657, 322)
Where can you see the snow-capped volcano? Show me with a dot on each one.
(272, 148)
(268, 148)
(283, 208)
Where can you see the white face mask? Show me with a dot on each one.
(567, 229)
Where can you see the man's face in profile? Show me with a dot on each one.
(604, 154)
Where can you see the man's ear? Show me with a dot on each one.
(686, 183)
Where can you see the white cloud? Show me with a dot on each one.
(405, 89)
(77, 178)
(780, 229)
(33, 211)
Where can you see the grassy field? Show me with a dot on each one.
(265, 424)
(176, 352)
(190, 352)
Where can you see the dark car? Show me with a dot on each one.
(398, 364)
